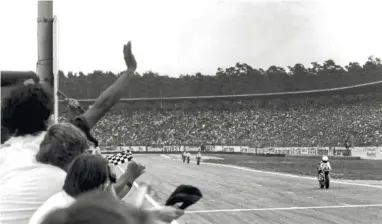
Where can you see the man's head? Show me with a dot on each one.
(62, 143)
(89, 172)
(26, 110)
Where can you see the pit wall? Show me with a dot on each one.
(362, 152)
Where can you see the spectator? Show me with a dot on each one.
(25, 113)
(296, 124)
(27, 180)
(99, 208)
(86, 173)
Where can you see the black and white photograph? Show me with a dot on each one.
(191, 111)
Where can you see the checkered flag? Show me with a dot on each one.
(119, 158)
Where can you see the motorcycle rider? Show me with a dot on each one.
(324, 162)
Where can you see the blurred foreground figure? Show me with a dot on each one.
(33, 168)
(99, 208)
(86, 173)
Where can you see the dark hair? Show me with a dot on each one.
(62, 143)
(98, 208)
(87, 172)
(26, 110)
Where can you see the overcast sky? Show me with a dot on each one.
(175, 37)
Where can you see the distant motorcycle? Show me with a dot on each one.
(324, 180)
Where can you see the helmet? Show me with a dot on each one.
(325, 158)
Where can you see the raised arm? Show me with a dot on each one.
(113, 93)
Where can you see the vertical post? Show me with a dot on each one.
(55, 68)
(45, 43)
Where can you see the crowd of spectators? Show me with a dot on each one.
(51, 174)
(244, 124)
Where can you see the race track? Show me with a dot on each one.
(241, 196)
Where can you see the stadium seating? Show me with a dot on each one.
(250, 124)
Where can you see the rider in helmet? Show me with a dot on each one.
(324, 161)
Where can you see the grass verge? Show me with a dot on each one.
(342, 169)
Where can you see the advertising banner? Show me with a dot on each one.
(228, 149)
(244, 149)
(191, 148)
(171, 148)
(154, 148)
(312, 151)
(304, 151)
(295, 151)
(210, 148)
(371, 152)
(322, 151)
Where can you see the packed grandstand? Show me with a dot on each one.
(341, 105)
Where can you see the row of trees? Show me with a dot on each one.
(239, 79)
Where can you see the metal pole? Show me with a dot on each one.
(55, 68)
(45, 43)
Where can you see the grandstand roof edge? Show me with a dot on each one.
(243, 95)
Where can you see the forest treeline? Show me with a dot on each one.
(238, 79)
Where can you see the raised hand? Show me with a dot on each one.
(134, 170)
(130, 61)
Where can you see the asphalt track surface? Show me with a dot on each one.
(234, 195)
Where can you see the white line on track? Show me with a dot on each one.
(148, 197)
(285, 174)
(167, 157)
(285, 208)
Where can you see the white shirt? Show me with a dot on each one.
(25, 184)
(57, 201)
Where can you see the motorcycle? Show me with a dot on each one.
(324, 180)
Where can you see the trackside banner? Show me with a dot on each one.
(363, 152)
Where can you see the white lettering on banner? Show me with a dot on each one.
(192, 148)
(171, 148)
(304, 151)
(154, 148)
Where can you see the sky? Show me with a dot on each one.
(174, 37)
